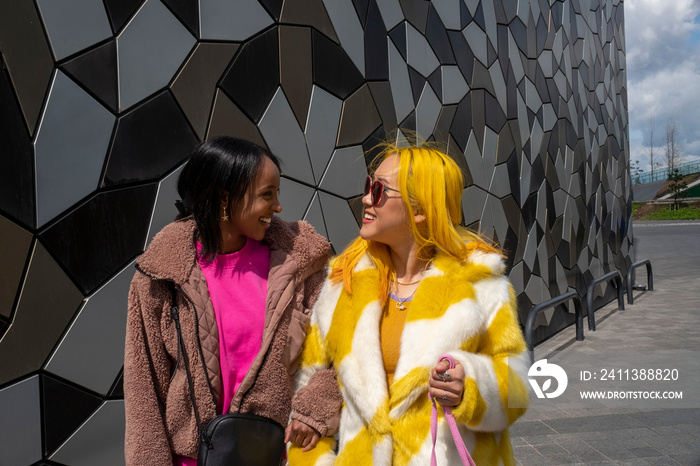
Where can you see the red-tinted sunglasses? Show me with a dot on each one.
(377, 188)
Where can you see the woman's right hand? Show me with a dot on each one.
(302, 435)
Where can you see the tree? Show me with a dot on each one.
(677, 185)
(653, 164)
(674, 149)
(635, 171)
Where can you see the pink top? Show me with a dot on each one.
(237, 284)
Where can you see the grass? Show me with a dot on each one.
(642, 211)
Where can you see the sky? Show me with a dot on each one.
(662, 38)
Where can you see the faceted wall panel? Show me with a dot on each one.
(102, 101)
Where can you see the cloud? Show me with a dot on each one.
(663, 72)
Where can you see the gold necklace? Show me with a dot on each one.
(407, 284)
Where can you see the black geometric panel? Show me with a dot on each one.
(274, 7)
(464, 57)
(361, 7)
(462, 122)
(101, 236)
(436, 34)
(65, 409)
(435, 81)
(254, 75)
(119, 11)
(417, 83)
(376, 46)
(96, 70)
(149, 141)
(333, 68)
(4, 323)
(398, 37)
(464, 15)
(17, 195)
(187, 12)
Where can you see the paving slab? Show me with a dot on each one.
(657, 336)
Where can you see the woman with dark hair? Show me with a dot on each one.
(243, 283)
(413, 294)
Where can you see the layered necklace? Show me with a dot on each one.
(400, 302)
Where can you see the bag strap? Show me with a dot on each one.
(175, 312)
(459, 443)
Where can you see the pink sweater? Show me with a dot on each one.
(237, 284)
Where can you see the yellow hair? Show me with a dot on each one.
(430, 184)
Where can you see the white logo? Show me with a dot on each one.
(543, 369)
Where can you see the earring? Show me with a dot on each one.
(224, 217)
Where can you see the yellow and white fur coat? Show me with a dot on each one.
(465, 309)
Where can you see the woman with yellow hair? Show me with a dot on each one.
(416, 285)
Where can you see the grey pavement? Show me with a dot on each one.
(646, 191)
(660, 331)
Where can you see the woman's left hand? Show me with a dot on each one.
(302, 435)
(446, 386)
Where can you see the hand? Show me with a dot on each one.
(446, 386)
(302, 435)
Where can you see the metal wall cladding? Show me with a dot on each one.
(528, 97)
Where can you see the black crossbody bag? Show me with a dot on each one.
(235, 438)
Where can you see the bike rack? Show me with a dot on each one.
(630, 284)
(532, 315)
(617, 278)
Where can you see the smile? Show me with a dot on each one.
(265, 220)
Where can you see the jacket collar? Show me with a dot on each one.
(172, 253)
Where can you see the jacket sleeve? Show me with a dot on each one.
(317, 400)
(146, 380)
(496, 390)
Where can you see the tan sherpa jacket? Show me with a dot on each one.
(160, 419)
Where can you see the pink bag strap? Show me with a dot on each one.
(459, 443)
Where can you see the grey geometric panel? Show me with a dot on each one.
(322, 128)
(195, 86)
(91, 353)
(73, 25)
(350, 33)
(499, 85)
(448, 10)
(340, 221)
(314, 215)
(400, 83)
(164, 211)
(476, 38)
(427, 112)
(346, 172)
(500, 182)
(308, 13)
(47, 302)
(70, 148)
(27, 57)
(20, 423)
(473, 199)
(13, 260)
(227, 20)
(283, 135)
(104, 428)
(391, 13)
(454, 86)
(150, 50)
(419, 53)
(295, 198)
